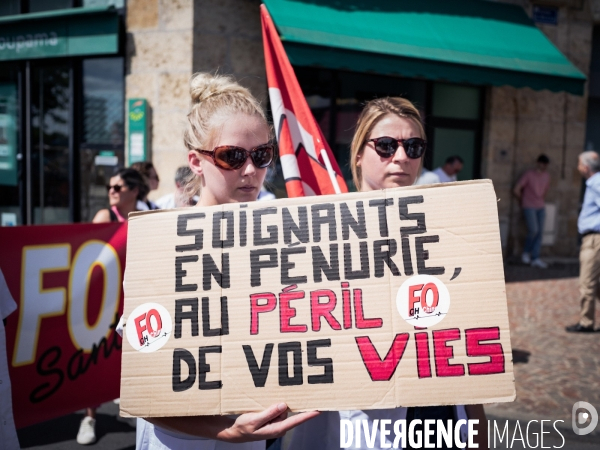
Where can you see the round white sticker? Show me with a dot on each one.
(149, 327)
(423, 300)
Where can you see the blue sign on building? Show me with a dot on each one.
(545, 14)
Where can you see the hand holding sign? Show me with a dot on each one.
(271, 423)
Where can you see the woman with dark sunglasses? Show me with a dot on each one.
(386, 152)
(125, 188)
(229, 149)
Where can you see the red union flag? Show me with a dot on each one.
(308, 165)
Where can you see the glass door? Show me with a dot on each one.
(50, 140)
(10, 211)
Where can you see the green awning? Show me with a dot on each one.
(463, 41)
(65, 32)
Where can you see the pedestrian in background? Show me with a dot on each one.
(589, 254)
(125, 189)
(178, 198)
(148, 172)
(449, 171)
(531, 190)
(427, 177)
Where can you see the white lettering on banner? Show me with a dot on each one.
(37, 302)
(93, 253)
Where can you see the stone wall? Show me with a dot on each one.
(168, 41)
(522, 123)
(158, 68)
(228, 39)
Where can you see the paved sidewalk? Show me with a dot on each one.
(553, 368)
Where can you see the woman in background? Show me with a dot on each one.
(126, 187)
(148, 172)
(124, 190)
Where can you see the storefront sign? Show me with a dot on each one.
(354, 301)
(137, 119)
(31, 36)
(63, 352)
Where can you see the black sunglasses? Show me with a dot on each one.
(386, 146)
(230, 157)
(116, 187)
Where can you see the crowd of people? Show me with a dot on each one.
(230, 146)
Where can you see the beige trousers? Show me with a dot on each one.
(589, 278)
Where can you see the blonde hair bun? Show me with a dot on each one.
(205, 85)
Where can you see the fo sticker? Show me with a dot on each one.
(423, 300)
(149, 327)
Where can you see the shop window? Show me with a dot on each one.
(102, 137)
(10, 211)
(454, 127)
(48, 5)
(50, 142)
(458, 102)
(9, 7)
(451, 113)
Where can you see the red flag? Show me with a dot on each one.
(309, 167)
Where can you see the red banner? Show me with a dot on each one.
(307, 162)
(63, 352)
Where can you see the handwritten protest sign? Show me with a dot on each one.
(357, 301)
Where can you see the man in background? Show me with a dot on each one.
(531, 190)
(589, 254)
(450, 169)
(427, 177)
(178, 199)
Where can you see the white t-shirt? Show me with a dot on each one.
(166, 201)
(427, 177)
(8, 433)
(151, 437)
(443, 176)
(143, 206)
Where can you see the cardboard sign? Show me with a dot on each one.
(355, 301)
(62, 351)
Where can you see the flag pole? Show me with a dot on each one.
(330, 171)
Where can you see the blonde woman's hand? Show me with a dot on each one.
(271, 423)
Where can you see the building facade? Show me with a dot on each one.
(499, 130)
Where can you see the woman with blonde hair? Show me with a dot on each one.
(386, 152)
(229, 149)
